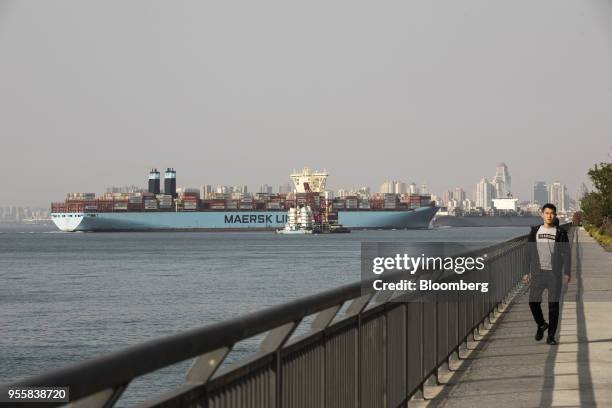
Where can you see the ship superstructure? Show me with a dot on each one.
(309, 181)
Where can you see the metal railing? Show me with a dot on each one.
(358, 351)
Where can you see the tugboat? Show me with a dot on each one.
(298, 221)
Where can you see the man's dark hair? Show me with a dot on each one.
(551, 206)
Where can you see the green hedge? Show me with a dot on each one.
(604, 240)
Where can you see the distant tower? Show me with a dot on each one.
(154, 182)
(399, 187)
(386, 187)
(484, 194)
(447, 196)
(540, 193)
(557, 195)
(502, 180)
(459, 194)
(170, 182)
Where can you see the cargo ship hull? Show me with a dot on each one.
(233, 220)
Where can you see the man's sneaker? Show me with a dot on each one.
(551, 341)
(540, 333)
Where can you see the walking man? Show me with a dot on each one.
(548, 266)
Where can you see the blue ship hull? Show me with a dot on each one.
(233, 220)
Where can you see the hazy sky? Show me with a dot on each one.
(95, 93)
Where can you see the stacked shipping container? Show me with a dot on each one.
(190, 201)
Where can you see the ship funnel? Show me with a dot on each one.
(170, 182)
(154, 182)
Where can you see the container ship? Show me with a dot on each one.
(187, 210)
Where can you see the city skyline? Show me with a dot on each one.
(483, 196)
(396, 186)
(425, 92)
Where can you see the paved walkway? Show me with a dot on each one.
(508, 368)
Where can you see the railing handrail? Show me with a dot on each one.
(121, 367)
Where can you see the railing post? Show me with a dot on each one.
(273, 342)
(355, 308)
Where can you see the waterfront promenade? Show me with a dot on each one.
(508, 368)
(360, 350)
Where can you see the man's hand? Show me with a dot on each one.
(525, 279)
(566, 279)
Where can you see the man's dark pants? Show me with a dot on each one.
(550, 280)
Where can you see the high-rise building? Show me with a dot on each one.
(393, 187)
(557, 195)
(386, 187)
(447, 196)
(413, 189)
(540, 193)
(364, 191)
(501, 181)
(241, 189)
(399, 187)
(206, 191)
(459, 194)
(424, 189)
(265, 189)
(498, 187)
(484, 194)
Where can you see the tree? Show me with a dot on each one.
(601, 176)
(591, 208)
(597, 205)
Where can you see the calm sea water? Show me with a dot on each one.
(67, 297)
